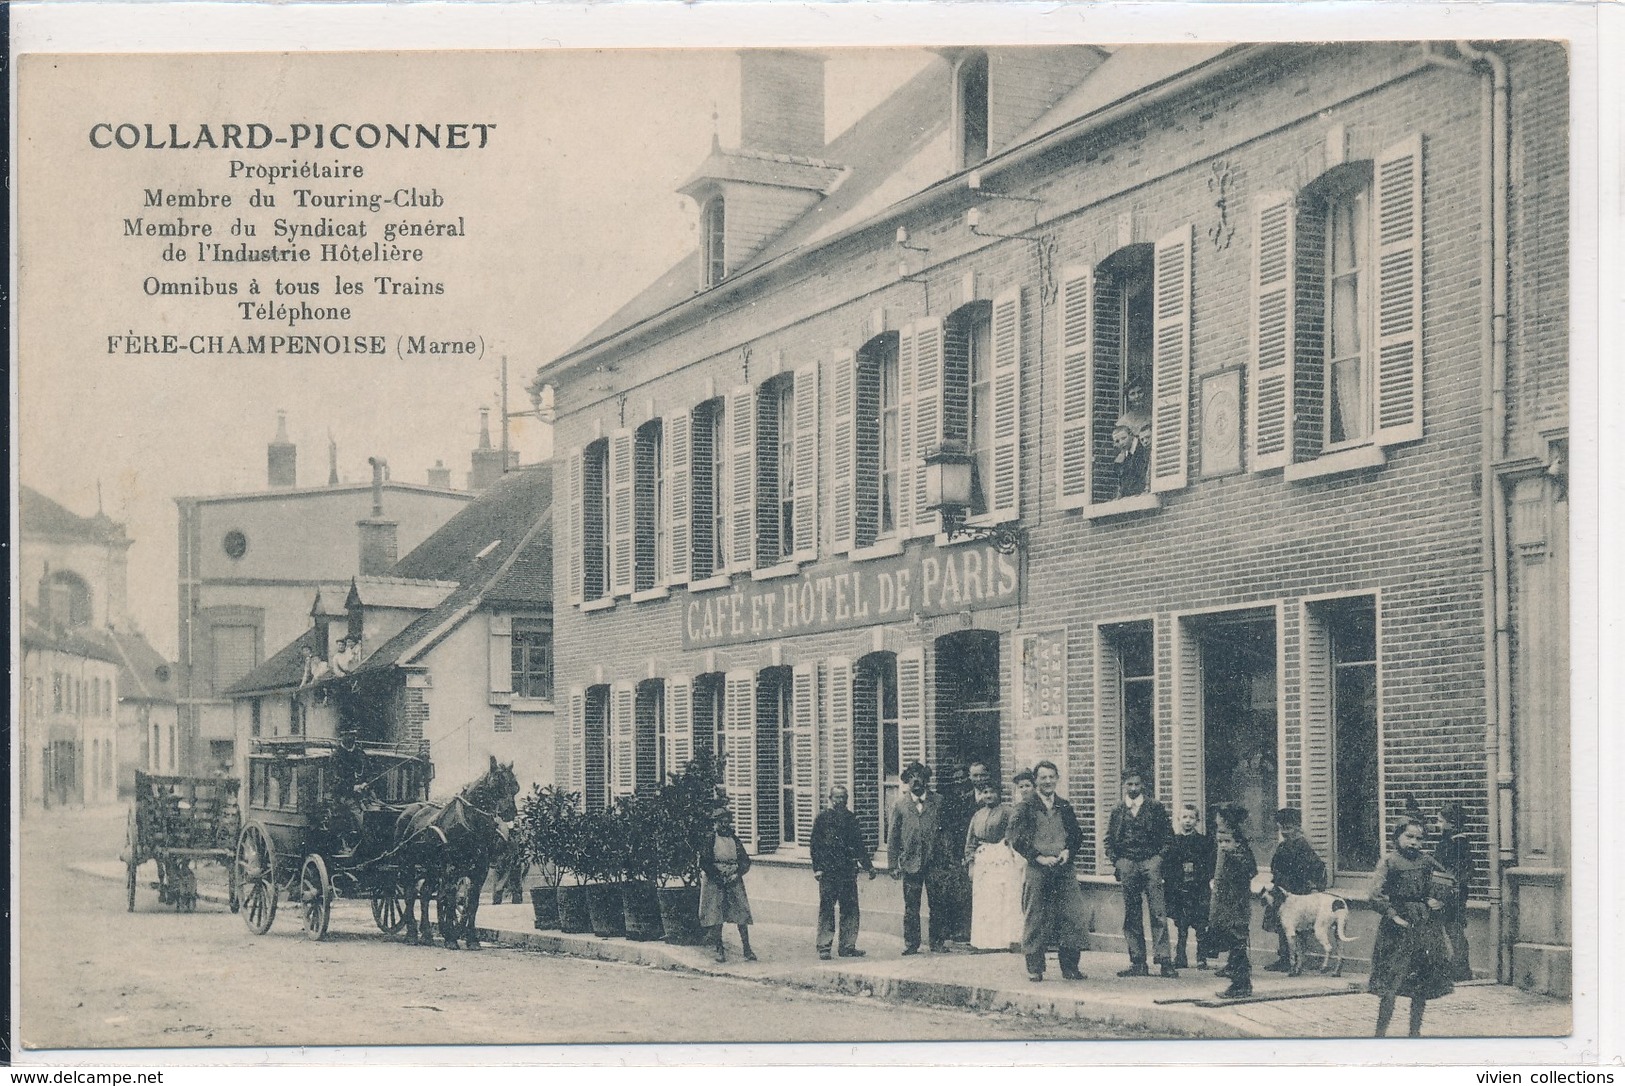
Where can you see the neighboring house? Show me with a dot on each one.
(456, 647)
(1212, 329)
(250, 564)
(94, 730)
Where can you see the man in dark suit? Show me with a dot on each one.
(1137, 838)
(837, 852)
(912, 845)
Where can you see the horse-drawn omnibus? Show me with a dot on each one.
(310, 836)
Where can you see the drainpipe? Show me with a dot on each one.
(1498, 764)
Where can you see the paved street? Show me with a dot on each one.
(93, 975)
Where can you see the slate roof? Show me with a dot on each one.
(503, 512)
(38, 515)
(895, 152)
(83, 641)
(407, 592)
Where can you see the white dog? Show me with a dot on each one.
(1324, 915)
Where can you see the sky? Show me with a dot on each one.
(569, 211)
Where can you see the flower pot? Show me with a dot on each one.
(680, 915)
(642, 910)
(544, 902)
(604, 907)
(573, 914)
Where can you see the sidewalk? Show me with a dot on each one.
(1284, 1007)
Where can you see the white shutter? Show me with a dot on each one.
(741, 461)
(679, 497)
(679, 723)
(500, 648)
(623, 745)
(1270, 437)
(1108, 741)
(739, 777)
(1004, 495)
(1316, 798)
(905, 433)
(1074, 459)
(1187, 732)
(911, 707)
(620, 513)
(843, 452)
(575, 541)
(927, 417)
(1171, 359)
(838, 673)
(803, 771)
(577, 780)
(806, 463)
(1399, 292)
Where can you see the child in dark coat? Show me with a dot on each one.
(1231, 914)
(1454, 853)
(1188, 877)
(1410, 956)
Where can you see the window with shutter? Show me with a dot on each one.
(499, 654)
(776, 482)
(708, 474)
(1072, 456)
(1108, 739)
(597, 749)
(649, 736)
(1342, 737)
(532, 658)
(1004, 492)
(572, 524)
(804, 492)
(911, 707)
(775, 786)
(1171, 360)
(1121, 319)
(838, 722)
(800, 757)
(620, 513)
(877, 440)
(739, 769)
(575, 759)
(595, 520)
(1273, 358)
(650, 549)
(876, 744)
(1399, 292)
(904, 474)
(927, 404)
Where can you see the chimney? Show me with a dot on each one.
(440, 475)
(332, 460)
(781, 101)
(485, 465)
(280, 456)
(378, 545)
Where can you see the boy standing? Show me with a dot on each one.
(1296, 868)
(1188, 875)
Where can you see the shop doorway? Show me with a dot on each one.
(967, 684)
(1240, 744)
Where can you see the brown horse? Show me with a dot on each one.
(444, 850)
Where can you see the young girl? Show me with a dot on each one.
(1410, 957)
(722, 885)
(996, 874)
(1188, 878)
(1231, 914)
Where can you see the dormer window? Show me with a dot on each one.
(712, 255)
(971, 106)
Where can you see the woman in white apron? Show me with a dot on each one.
(996, 874)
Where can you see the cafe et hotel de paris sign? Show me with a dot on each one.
(932, 581)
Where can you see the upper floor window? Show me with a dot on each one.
(595, 520)
(649, 508)
(1122, 375)
(776, 470)
(713, 256)
(68, 599)
(1337, 316)
(234, 653)
(879, 440)
(972, 107)
(708, 474)
(967, 391)
(531, 648)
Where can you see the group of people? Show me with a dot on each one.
(1024, 890)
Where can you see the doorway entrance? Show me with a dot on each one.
(1240, 745)
(967, 682)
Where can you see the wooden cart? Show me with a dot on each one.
(177, 822)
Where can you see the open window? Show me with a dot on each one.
(651, 547)
(708, 476)
(713, 233)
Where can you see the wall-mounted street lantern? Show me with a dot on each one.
(949, 476)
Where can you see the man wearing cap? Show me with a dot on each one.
(912, 848)
(1044, 831)
(1138, 837)
(838, 852)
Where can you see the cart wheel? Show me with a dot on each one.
(256, 879)
(389, 909)
(455, 902)
(315, 897)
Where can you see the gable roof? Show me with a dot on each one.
(144, 674)
(397, 592)
(503, 513)
(39, 516)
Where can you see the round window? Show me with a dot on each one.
(162, 672)
(235, 543)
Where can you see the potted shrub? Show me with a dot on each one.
(639, 818)
(562, 844)
(601, 863)
(539, 819)
(679, 826)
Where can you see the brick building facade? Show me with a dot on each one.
(1260, 351)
